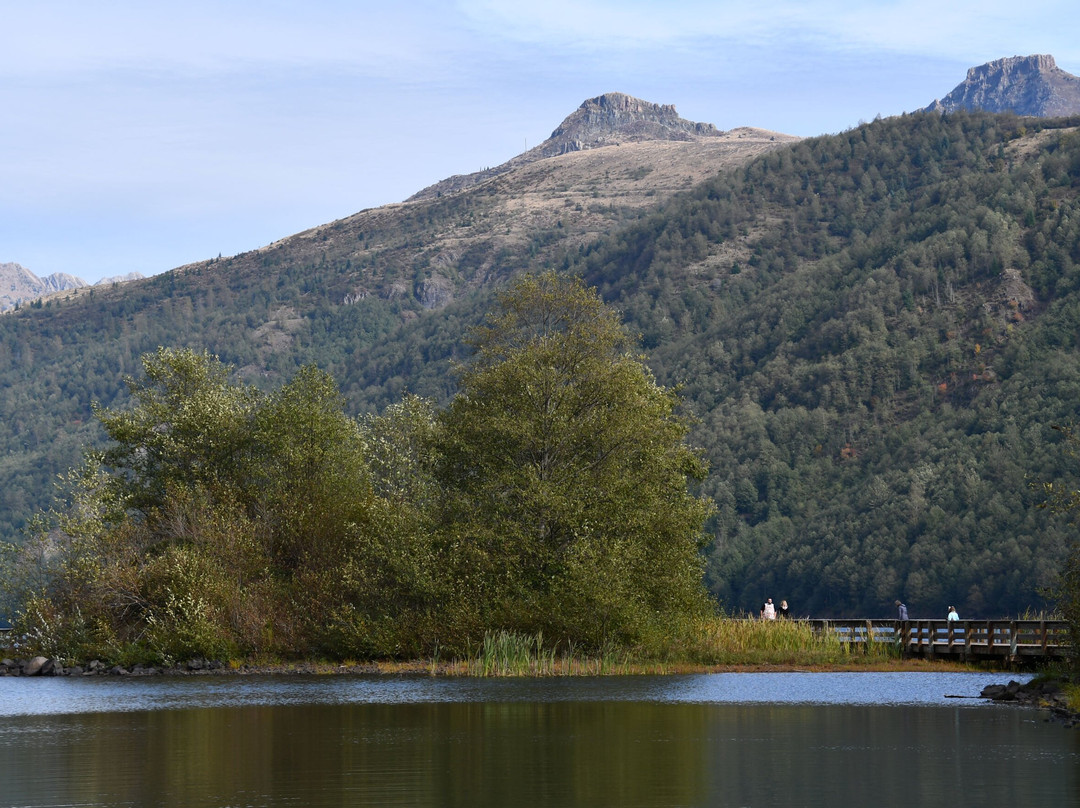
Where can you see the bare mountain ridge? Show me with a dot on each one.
(1025, 85)
(436, 246)
(18, 285)
(610, 119)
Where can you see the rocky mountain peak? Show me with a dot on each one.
(619, 118)
(1026, 85)
(606, 120)
(19, 285)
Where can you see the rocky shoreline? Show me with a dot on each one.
(1047, 694)
(44, 666)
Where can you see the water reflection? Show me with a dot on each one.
(597, 742)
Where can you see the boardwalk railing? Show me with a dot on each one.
(1011, 639)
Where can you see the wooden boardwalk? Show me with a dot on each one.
(1011, 640)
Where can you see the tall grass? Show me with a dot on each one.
(723, 641)
(715, 641)
(509, 653)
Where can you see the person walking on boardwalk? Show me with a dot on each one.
(901, 611)
(952, 614)
(783, 611)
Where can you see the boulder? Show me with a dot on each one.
(34, 666)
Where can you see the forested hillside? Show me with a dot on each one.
(402, 280)
(874, 330)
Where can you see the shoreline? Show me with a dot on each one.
(41, 666)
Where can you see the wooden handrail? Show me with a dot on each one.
(1009, 637)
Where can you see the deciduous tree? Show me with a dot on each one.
(567, 473)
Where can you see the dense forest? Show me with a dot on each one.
(874, 333)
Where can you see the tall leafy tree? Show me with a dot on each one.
(567, 473)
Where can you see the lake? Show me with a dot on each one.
(738, 739)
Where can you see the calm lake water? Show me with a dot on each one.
(778, 739)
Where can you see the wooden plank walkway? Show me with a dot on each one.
(966, 639)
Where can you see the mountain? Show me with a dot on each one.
(1024, 85)
(612, 119)
(19, 285)
(127, 276)
(339, 295)
(874, 333)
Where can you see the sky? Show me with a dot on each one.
(142, 135)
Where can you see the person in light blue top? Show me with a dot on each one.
(901, 611)
(952, 614)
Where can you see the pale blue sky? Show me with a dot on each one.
(146, 135)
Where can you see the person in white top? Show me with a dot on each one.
(952, 614)
(768, 611)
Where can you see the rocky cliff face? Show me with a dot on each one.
(616, 118)
(607, 120)
(1026, 85)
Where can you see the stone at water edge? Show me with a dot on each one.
(34, 666)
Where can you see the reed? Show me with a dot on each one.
(714, 641)
(726, 641)
(509, 653)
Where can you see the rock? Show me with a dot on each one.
(34, 666)
(20, 285)
(117, 670)
(1025, 85)
(435, 293)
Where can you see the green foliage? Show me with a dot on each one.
(567, 473)
(223, 520)
(1064, 499)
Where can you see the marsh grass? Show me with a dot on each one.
(724, 641)
(509, 653)
(711, 642)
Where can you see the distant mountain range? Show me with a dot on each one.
(1024, 85)
(19, 286)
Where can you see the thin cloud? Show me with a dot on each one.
(965, 30)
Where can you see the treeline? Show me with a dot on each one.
(549, 496)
